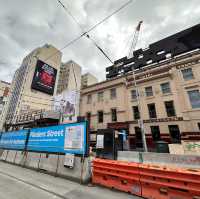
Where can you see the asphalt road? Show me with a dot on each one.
(20, 183)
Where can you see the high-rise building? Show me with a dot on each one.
(4, 91)
(34, 83)
(88, 79)
(69, 77)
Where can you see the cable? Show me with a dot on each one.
(85, 34)
(90, 29)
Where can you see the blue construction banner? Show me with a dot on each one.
(66, 138)
(15, 140)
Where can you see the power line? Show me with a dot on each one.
(90, 29)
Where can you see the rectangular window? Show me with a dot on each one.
(100, 96)
(174, 133)
(194, 97)
(152, 110)
(169, 106)
(113, 93)
(89, 99)
(165, 87)
(138, 137)
(88, 117)
(149, 91)
(100, 116)
(114, 114)
(198, 125)
(136, 113)
(133, 95)
(155, 131)
(187, 74)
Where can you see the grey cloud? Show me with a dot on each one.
(27, 24)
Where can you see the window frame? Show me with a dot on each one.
(112, 116)
(148, 105)
(100, 96)
(115, 93)
(153, 137)
(186, 75)
(89, 99)
(147, 92)
(164, 90)
(191, 102)
(134, 113)
(98, 113)
(168, 111)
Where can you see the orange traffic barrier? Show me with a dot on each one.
(117, 174)
(159, 182)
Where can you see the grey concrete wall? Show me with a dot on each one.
(130, 156)
(182, 161)
(32, 160)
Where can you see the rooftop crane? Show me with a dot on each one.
(132, 48)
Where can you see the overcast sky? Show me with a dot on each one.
(27, 24)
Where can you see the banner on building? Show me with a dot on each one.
(15, 140)
(67, 103)
(67, 138)
(44, 78)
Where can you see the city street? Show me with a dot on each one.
(21, 183)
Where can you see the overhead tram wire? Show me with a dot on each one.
(90, 29)
(83, 31)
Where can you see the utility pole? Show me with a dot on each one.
(140, 121)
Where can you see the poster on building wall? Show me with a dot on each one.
(44, 78)
(67, 103)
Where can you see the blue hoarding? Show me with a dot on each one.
(14, 140)
(67, 138)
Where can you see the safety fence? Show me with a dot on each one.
(147, 180)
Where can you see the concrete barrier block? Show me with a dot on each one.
(4, 155)
(20, 158)
(1, 152)
(11, 156)
(81, 171)
(32, 160)
(130, 156)
(48, 162)
(181, 161)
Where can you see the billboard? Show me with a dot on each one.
(67, 138)
(44, 78)
(67, 103)
(15, 140)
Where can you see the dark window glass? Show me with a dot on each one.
(198, 125)
(174, 133)
(169, 106)
(155, 131)
(152, 110)
(89, 99)
(114, 114)
(165, 87)
(187, 74)
(136, 113)
(194, 97)
(113, 93)
(100, 116)
(138, 137)
(149, 91)
(133, 95)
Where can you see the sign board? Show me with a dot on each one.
(69, 160)
(68, 138)
(44, 78)
(14, 140)
(100, 142)
(67, 103)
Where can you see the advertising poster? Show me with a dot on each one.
(44, 78)
(67, 103)
(67, 138)
(13, 140)
(100, 142)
